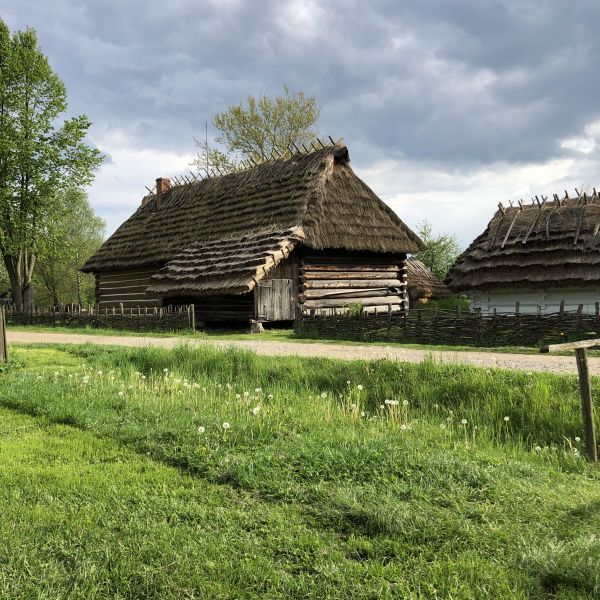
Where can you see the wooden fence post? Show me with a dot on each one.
(587, 410)
(192, 313)
(585, 389)
(3, 345)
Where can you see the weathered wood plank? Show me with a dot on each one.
(329, 303)
(314, 275)
(570, 346)
(351, 267)
(349, 283)
(347, 293)
(587, 410)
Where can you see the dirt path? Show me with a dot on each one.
(522, 362)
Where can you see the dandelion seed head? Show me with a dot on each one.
(256, 410)
(507, 419)
(577, 439)
(403, 426)
(323, 394)
(238, 396)
(201, 429)
(359, 387)
(226, 425)
(270, 396)
(258, 390)
(463, 421)
(353, 406)
(404, 402)
(538, 448)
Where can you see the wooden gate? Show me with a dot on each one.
(275, 300)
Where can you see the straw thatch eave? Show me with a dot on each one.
(422, 283)
(550, 244)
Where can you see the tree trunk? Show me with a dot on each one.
(20, 269)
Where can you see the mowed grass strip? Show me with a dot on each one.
(83, 517)
(397, 499)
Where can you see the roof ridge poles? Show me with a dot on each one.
(512, 223)
(537, 219)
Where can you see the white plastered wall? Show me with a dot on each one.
(547, 299)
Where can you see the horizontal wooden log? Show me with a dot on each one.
(313, 275)
(126, 289)
(149, 302)
(328, 303)
(126, 275)
(351, 267)
(348, 283)
(347, 293)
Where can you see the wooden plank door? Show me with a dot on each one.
(275, 300)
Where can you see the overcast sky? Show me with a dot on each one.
(447, 106)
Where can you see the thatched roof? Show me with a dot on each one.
(222, 234)
(554, 243)
(422, 283)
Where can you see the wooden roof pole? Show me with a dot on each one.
(537, 219)
(512, 224)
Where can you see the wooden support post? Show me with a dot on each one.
(517, 307)
(587, 411)
(562, 308)
(192, 317)
(585, 389)
(121, 308)
(597, 306)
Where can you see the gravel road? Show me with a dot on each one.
(523, 362)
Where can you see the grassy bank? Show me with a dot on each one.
(466, 483)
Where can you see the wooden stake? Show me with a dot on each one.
(587, 411)
(193, 317)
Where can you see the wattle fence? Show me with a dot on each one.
(449, 327)
(167, 318)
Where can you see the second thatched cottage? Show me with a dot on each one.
(535, 258)
(303, 233)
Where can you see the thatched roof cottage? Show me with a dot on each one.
(537, 255)
(423, 285)
(299, 233)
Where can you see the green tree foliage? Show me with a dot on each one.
(78, 233)
(40, 158)
(265, 127)
(441, 251)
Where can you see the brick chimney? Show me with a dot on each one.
(163, 184)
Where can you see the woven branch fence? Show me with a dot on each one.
(456, 328)
(167, 318)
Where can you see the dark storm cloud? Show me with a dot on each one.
(461, 82)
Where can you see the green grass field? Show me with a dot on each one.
(146, 473)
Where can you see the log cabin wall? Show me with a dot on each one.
(331, 282)
(125, 287)
(225, 308)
